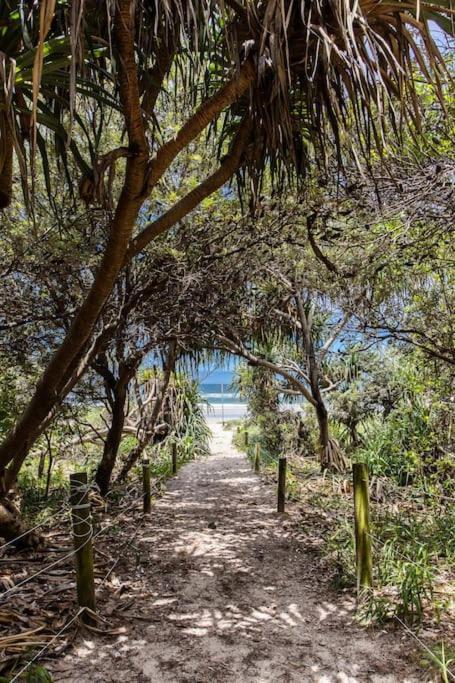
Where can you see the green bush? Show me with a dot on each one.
(396, 446)
(406, 554)
(33, 489)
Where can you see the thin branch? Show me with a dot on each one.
(238, 348)
(338, 328)
(226, 170)
(315, 248)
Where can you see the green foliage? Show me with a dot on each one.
(38, 674)
(406, 446)
(406, 554)
(393, 414)
(8, 406)
(256, 386)
(35, 503)
(190, 429)
(127, 444)
(277, 431)
(160, 465)
(34, 674)
(441, 657)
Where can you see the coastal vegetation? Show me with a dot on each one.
(192, 182)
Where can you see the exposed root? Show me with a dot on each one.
(14, 530)
(333, 458)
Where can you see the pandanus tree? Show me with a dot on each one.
(44, 66)
(288, 80)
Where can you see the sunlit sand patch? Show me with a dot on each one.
(183, 617)
(163, 601)
(326, 610)
(294, 610)
(195, 631)
(261, 615)
(344, 678)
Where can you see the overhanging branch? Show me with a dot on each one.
(226, 170)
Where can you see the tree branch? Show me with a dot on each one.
(226, 170)
(338, 328)
(239, 349)
(314, 246)
(230, 93)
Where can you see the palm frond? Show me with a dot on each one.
(326, 71)
(329, 70)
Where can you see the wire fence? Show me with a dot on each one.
(58, 515)
(64, 510)
(48, 645)
(14, 541)
(305, 475)
(91, 536)
(87, 539)
(83, 490)
(442, 665)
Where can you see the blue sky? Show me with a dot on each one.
(215, 374)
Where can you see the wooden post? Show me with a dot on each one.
(257, 458)
(82, 535)
(362, 526)
(174, 457)
(146, 485)
(246, 439)
(281, 484)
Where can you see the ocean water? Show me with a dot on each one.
(223, 404)
(220, 402)
(217, 393)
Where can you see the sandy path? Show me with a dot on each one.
(234, 595)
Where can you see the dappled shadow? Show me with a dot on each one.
(224, 590)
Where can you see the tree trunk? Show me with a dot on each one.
(12, 527)
(48, 390)
(324, 434)
(48, 475)
(331, 455)
(133, 456)
(353, 434)
(112, 443)
(52, 386)
(42, 462)
(6, 160)
(148, 429)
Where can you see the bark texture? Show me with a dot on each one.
(6, 162)
(12, 527)
(147, 430)
(59, 370)
(112, 443)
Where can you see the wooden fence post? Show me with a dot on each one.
(174, 457)
(257, 458)
(362, 526)
(82, 536)
(246, 438)
(146, 486)
(281, 484)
